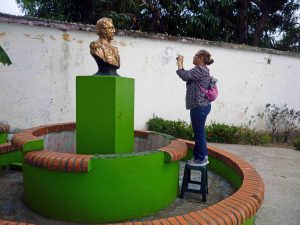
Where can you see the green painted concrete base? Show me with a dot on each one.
(229, 174)
(249, 221)
(116, 189)
(225, 171)
(3, 138)
(16, 166)
(104, 115)
(10, 157)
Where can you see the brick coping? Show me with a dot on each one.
(235, 209)
(174, 151)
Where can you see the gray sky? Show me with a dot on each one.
(10, 7)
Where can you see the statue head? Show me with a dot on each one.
(105, 28)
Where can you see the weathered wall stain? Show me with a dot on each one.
(2, 34)
(122, 43)
(168, 55)
(53, 38)
(37, 37)
(66, 37)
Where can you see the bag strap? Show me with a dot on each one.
(201, 88)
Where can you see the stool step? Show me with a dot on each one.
(203, 190)
(194, 182)
(193, 191)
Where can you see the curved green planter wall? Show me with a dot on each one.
(3, 138)
(228, 173)
(10, 157)
(118, 188)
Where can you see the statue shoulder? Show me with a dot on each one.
(95, 45)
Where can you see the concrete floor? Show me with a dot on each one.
(280, 170)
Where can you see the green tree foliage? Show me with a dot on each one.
(4, 58)
(264, 23)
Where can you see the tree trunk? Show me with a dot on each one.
(243, 21)
(263, 20)
(154, 9)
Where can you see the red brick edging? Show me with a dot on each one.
(175, 151)
(34, 133)
(7, 147)
(58, 161)
(20, 139)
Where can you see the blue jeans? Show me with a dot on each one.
(198, 118)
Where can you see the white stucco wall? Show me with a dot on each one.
(39, 87)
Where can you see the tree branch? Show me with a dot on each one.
(257, 2)
(266, 9)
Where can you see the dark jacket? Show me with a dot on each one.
(194, 96)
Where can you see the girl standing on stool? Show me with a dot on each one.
(196, 100)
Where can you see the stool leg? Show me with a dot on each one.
(203, 184)
(188, 173)
(206, 182)
(184, 181)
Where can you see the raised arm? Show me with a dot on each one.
(196, 73)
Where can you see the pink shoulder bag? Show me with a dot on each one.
(211, 93)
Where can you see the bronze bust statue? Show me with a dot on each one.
(107, 56)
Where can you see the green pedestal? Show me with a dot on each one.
(104, 115)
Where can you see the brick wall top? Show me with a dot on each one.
(174, 151)
(6, 222)
(58, 161)
(7, 147)
(53, 128)
(32, 21)
(34, 133)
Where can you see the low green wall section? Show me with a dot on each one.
(10, 157)
(229, 174)
(119, 187)
(225, 171)
(3, 138)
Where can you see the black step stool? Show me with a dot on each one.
(187, 179)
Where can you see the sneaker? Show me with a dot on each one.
(195, 162)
